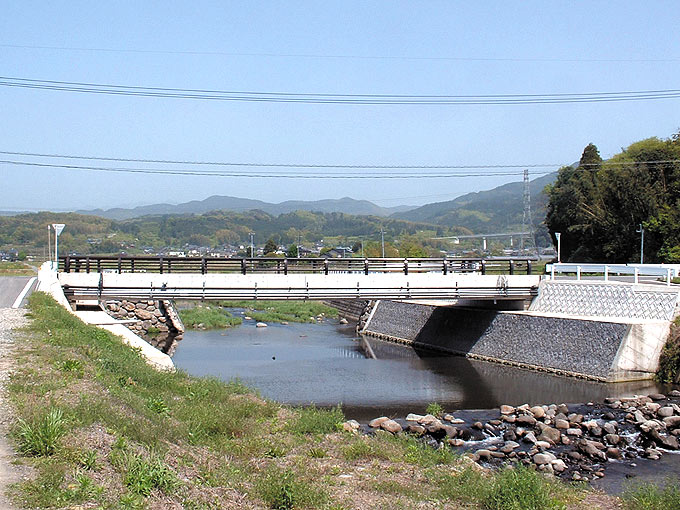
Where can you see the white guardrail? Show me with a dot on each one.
(665, 271)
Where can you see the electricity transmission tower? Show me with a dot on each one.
(527, 223)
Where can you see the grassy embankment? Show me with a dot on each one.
(669, 362)
(16, 269)
(283, 311)
(104, 430)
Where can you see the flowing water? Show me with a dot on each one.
(325, 364)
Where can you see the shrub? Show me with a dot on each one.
(41, 436)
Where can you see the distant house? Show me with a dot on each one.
(338, 252)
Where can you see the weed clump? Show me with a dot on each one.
(40, 437)
(282, 490)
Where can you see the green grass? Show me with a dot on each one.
(284, 490)
(123, 435)
(283, 311)
(652, 497)
(208, 317)
(521, 488)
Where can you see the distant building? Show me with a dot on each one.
(339, 252)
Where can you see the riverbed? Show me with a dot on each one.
(326, 365)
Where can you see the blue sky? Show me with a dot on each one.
(422, 48)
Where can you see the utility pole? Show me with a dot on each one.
(252, 245)
(298, 246)
(382, 241)
(641, 231)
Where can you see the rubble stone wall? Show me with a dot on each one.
(156, 321)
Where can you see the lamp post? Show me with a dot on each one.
(641, 231)
(558, 236)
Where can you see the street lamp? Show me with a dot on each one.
(558, 235)
(641, 231)
(58, 227)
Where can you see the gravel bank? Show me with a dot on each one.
(9, 473)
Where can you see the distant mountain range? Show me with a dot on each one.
(496, 210)
(225, 203)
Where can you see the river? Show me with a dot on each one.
(325, 364)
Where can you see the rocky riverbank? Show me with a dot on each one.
(573, 442)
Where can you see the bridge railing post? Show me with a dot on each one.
(668, 276)
(512, 267)
(406, 266)
(243, 266)
(483, 266)
(204, 265)
(120, 264)
(67, 264)
(365, 266)
(528, 267)
(578, 273)
(285, 266)
(160, 265)
(637, 275)
(606, 273)
(445, 266)
(325, 266)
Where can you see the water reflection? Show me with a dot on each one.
(325, 365)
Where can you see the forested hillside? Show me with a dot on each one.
(599, 205)
(91, 234)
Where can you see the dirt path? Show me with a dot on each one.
(9, 473)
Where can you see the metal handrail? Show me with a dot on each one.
(668, 272)
(318, 265)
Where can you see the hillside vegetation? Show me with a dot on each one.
(598, 206)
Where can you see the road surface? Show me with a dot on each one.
(11, 287)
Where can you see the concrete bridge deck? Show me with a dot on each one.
(451, 286)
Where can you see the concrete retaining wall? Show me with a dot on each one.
(601, 299)
(604, 350)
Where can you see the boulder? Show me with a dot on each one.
(351, 426)
(538, 412)
(550, 434)
(543, 458)
(672, 422)
(561, 424)
(375, 423)
(657, 396)
(260, 325)
(414, 417)
(416, 429)
(506, 409)
(526, 420)
(391, 426)
(665, 412)
(612, 439)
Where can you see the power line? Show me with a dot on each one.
(332, 98)
(165, 171)
(340, 56)
(329, 165)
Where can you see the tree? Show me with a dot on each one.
(270, 247)
(292, 251)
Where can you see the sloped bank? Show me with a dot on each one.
(600, 349)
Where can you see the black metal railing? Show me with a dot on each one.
(213, 265)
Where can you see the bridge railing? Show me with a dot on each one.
(664, 271)
(215, 265)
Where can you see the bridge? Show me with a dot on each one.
(207, 278)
